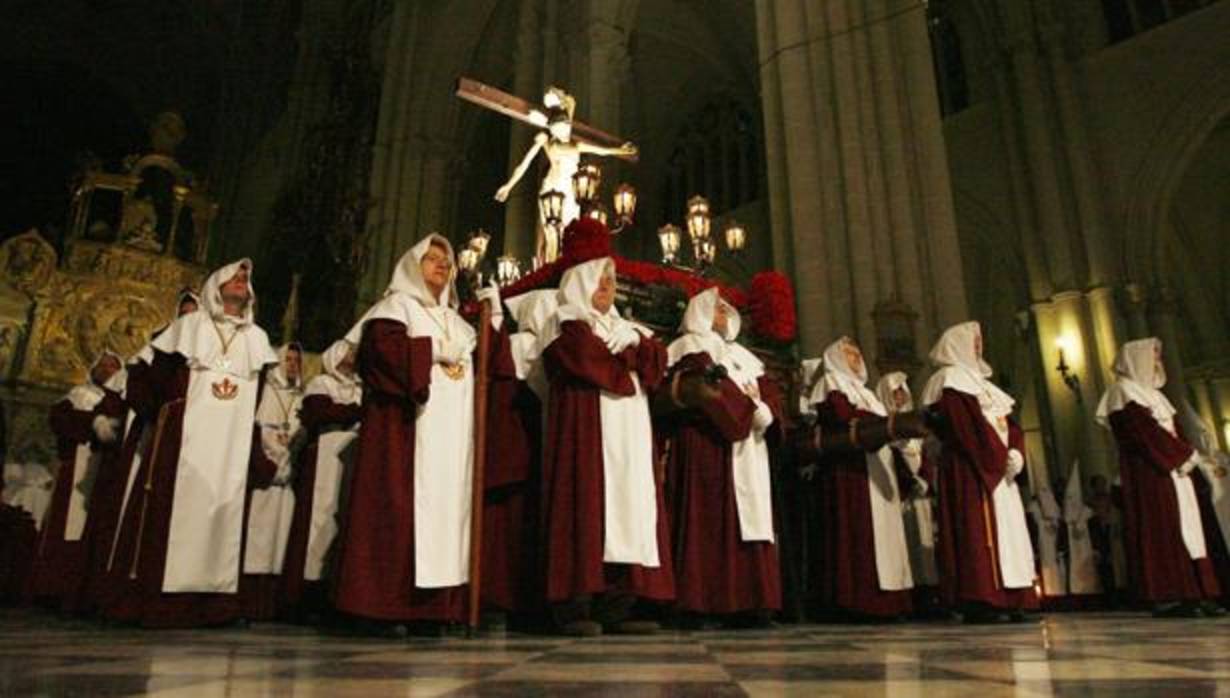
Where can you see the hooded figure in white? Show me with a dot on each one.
(893, 389)
(1082, 567)
(333, 455)
(1139, 378)
(28, 486)
(630, 531)
(892, 555)
(1048, 517)
(533, 311)
(958, 355)
(1214, 464)
(225, 354)
(85, 398)
(273, 507)
(750, 457)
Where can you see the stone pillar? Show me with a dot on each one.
(857, 167)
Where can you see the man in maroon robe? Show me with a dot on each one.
(181, 536)
(606, 536)
(85, 423)
(719, 473)
(985, 558)
(1164, 540)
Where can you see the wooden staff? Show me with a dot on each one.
(992, 541)
(480, 459)
(149, 484)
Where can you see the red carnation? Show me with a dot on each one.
(771, 302)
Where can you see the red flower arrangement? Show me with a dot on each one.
(772, 306)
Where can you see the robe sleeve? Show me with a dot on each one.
(261, 468)
(501, 365)
(967, 432)
(71, 424)
(650, 363)
(139, 392)
(318, 411)
(112, 406)
(771, 394)
(1136, 431)
(1016, 440)
(731, 413)
(836, 412)
(393, 364)
(578, 355)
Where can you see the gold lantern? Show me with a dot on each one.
(585, 183)
(736, 236)
(551, 208)
(507, 270)
(669, 236)
(698, 220)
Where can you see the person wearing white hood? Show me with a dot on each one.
(1048, 518)
(1167, 555)
(718, 472)
(916, 476)
(181, 537)
(330, 417)
(404, 555)
(607, 533)
(513, 477)
(272, 507)
(85, 424)
(862, 550)
(984, 552)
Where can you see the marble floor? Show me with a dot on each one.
(1061, 655)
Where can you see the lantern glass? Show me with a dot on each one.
(585, 182)
(479, 240)
(625, 202)
(467, 259)
(551, 207)
(706, 251)
(507, 270)
(598, 212)
(669, 237)
(736, 237)
(699, 221)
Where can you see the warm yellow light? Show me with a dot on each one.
(698, 220)
(598, 212)
(706, 251)
(479, 240)
(625, 202)
(507, 270)
(736, 236)
(467, 259)
(585, 182)
(669, 237)
(551, 208)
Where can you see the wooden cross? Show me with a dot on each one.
(513, 106)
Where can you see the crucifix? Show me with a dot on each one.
(563, 141)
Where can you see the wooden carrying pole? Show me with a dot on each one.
(480, 459)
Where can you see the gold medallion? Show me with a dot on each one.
(454, 371)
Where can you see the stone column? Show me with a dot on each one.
(857, 167)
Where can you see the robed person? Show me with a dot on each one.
(272, 507)
(1082, 563)
(863, 551)
(330, 424)
(27, 495)
(406, 542)
(606, 536)
(513, 482)
(85, 423)
(916, 478)
(984, 551)
(1048, 522)
(718, 471)
(181, 538)
(117, 473)
(1164, 541)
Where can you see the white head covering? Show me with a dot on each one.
(408, 285)
(279, 402)
(277, 375)
(198, 336)
(809, 384)
(576, 290)
(1074, 508)
(342, 388)
(961, 368)
(699, 337)
(888, 385)
(1139, 377)
(841, 377)
(85, 397)
(532, 311)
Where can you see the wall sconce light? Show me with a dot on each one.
(624, 201)
(736, 236)
(698, 219)
(1065, 344)
(669, 237)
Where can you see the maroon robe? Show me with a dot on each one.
(1159, 567)
(972, 463)
(141, 552)
(106, 497)
(511, 486)
(318, 415)
(1215, 543)
(848, 578)
(579, 367)
(376, 572)
(715, 570)
(59, 564)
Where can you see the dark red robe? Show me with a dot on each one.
(511, 486)
(847, 572)
(1159, 567)
(973, 461)
(579, 366)
(141, 551)
(319, 415)
(59, 564)
(106, 496)
(376, 572)
(717, 572)
(1215, 543)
